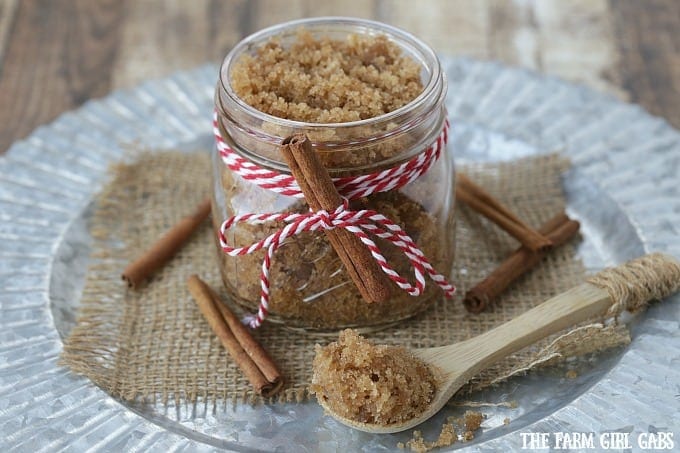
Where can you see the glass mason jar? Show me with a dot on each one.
(309, 286)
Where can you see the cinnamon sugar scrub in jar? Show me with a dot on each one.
(370, 98)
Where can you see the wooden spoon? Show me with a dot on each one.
(456, 364)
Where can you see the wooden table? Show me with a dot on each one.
(57, 54)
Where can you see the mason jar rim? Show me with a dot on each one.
(398, 35)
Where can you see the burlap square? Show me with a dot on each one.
(154, 345)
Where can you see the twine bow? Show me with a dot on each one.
(361, 223)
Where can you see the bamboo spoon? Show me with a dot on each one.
(628, 286)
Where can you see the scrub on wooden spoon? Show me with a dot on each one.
(343, 371)
(369, 383)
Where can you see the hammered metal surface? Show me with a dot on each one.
(625, 188)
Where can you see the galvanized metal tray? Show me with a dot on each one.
(624, 188)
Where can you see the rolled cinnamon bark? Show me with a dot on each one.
(165, 248)
(481, 201)
(320, 193)
(249, 344)
(558, 229)
(250, 357)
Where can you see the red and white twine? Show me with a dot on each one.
(350, 187)
(361, 223)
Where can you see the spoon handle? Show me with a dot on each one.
(576, 305)
(629, 286)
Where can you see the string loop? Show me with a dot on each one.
(361, 223)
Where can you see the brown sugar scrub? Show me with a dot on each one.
(370, 98)
(454, 430)
(323, 80)
(371, 383)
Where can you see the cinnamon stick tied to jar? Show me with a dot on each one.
(481, 201)
(320, 193)
(248, 354)
(558, 229)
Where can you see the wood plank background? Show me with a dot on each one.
(57, 54)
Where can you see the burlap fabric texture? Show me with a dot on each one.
(153, 344)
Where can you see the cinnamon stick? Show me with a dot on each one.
(166, 247)
(558, 229)
(249, 344)
(320, 193)
(249, 355)
(481, 201)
